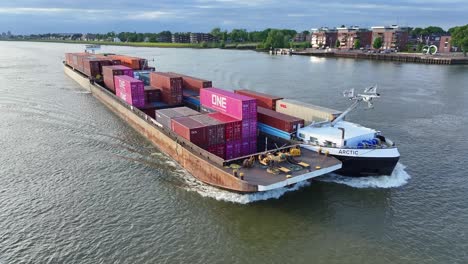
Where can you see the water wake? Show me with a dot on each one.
(398, 178)
(205, 190)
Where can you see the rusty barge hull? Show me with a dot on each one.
(202, 165)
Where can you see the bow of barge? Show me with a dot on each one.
(209, 168)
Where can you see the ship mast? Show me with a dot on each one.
(369, 94)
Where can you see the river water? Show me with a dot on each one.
(78, 185)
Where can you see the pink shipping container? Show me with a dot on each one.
(130, 90)
(229, 103)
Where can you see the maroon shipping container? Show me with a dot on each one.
(280, 121)
(109, 72)
(215, 129)
(237, 148)
(190, 129)
(263, 100)
(192, 83)
(92, 67)
(164, 116)
(253, 146)
(245, 148)
(152, 94)
(232, 126)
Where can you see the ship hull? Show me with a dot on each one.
(362, 162)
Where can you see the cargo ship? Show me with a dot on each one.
(224, 139)
(363, 151)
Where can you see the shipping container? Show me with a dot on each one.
(130, 90)
(164, 116)
(152, 94)
(263, 100)
(109, 72)
(192, 83)
(151, 108)
(215, 129)
(191, 130)
(237, 148)
(233, 126)
(309, 112)
(143, 76)
(229, 103)
(245, 148)
(189, 93)
(92, 67)
(134, 63)
(253, 146)
(171, 87)
(278, 120)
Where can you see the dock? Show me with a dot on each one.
(398, 57)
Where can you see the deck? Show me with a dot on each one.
(318, 165)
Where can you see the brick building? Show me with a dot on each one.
(348, 35)
(393, 37)
(445, 46)
(323, 37)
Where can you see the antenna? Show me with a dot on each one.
(367, 96)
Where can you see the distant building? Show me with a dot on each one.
(323, 37)
(393, 37)
(348, 35)
(165, 38)
(117, 40)
(444, 45)
(301, 37)
(181, 38)
(201, 37)
(88, 37)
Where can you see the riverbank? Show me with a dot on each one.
(250, 46)
(442, 59)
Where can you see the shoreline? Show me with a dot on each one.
(235, 46)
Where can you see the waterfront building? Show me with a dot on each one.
(181, 38)
(323, 37)
(201, 37)
(444, 45)
(393, 37)
(348, 35)
(302, 37)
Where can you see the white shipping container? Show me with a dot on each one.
(309, 112)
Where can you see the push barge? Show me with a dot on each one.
(276, 162)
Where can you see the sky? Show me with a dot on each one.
(94, 16)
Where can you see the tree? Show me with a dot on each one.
(377, 43)
(432, 30)
(416, 31)
(357, 43)
(460, 38)
(275, 39)
(337, 43)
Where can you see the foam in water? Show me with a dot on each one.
(398, 178)
(227, 196)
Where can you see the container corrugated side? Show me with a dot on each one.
(164, 116)
(263, 100)
(130, 89)
(309, 112)
(229, 103)
(193, 83)
(278, 120)
(191, 130)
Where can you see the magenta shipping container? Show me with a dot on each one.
(229, 103)
(130, 90)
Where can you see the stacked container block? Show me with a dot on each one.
(130, 90)
(170, 85)
(165, 116)
(279, 121)
(237, 106)
(109, 72)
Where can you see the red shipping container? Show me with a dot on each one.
(229, 103)
(215, 129)
(109, 72)
(130, 90)
(92, 67)
(152, 94)
(166, 81)
(263, 100)
(164, 116)
(192, 83)
(232, 126)
(134, 63)
(191, 130)
(280, 121)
